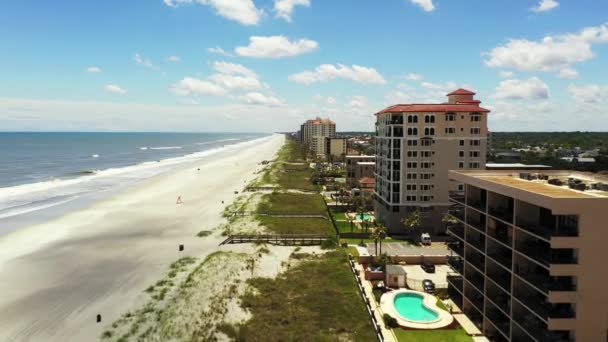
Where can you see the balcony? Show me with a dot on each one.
(499, 276)
(457, 196)
(500, 231)
(500, 254)
(457, 230)
(474, 296)
(456, 281)
(476, 220)
(456, 264)
(456, 247)
(541, 222)
(475, 278)
(538, 303)
(541, 252)
(477, 240)
(498, 318)
(457, 212)
(504, 214)
(476, 259)
(530, 324)
(498, 297)
(540, 278)
(474, 314)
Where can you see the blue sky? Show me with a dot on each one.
(266, 65)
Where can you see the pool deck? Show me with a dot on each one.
(387, 305)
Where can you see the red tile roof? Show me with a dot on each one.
(367, 180)
(461, 92)
(437, 108)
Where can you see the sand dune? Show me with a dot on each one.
(56, 277)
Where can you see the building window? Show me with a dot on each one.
(426, 175)
(460, 187)
(412, 154)
(429, 118)
(475, 117)
(411, 176)
(412, 118)
(474, 154)
(425, 187)
(475, 130)
(426, 142)
(398, 132)
(450, 117)
(425, 198)
(412, 142)
(429, 131)
(475, 142)
(450, 130)
(474, 165)
(460, 154)
(412, 131)
(410, 198)
(410, 187)
(425, 154)
(461, 165)
(461, 143)
(426, 165)
(412, 165)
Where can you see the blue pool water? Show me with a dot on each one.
(364, 217)
(410, 306)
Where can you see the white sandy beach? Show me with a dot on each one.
(57, 276)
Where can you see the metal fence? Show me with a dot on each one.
(368, 305)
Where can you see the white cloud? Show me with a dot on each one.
(552, 53)
(506, 74)
(591, 93)
(236, 82)
(330, 100)
(114, 89)
(445, 87)
(139, 59)
(94, 70)
(545, 5)
(357, 102)
(568, 73)
(242, 11)
(414, 77)
(284, 8)
(325, 72)
(427, 5)
(218, 50)
(195, 86)
(174, 59)
(256, 98)
(233, 69)
(530, 89)
(276, 47)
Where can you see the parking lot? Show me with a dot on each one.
(404, 248)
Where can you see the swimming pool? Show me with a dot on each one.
(364, 217)
(411, 307)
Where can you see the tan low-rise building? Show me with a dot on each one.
(529, 251)
(335, 147)
(358, 167)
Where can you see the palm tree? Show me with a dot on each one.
(351, 220)
(413, 221)
(379, 234)
(449, 220)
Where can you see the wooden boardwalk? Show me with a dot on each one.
(279, 239)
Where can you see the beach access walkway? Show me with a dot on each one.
(278, 239)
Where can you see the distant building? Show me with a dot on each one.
(416, 145)
(314, 132)
(335, 147)
(579, 160)
(366, 184)
(529, 253)
(515, 166)
(358, 167)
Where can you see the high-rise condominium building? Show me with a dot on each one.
(314, 132)
(529, 254)
(416, 145)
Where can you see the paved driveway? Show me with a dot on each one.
(404, 248)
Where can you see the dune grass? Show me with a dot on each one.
(287, 225)
(446, 335)
(317, 300)
(292, 203)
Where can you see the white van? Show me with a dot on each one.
(425, 238)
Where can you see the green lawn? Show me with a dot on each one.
(345, 227)
(298, 179)
(291, 203)
(316, 300)
(447, 335)
(339, 216)
(285, 225)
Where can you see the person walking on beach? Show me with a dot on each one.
(179, 200)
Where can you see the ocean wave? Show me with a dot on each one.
(88, 181)
(166, 148)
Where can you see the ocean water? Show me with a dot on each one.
(42, 171)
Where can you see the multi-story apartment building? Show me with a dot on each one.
(357, 167)
(529, 251)
(314, 132)
(335, 147)
(416, 145)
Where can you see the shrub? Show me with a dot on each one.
(330, 243)
(389, 321)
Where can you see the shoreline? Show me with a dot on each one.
(100, 259)
(55, 210)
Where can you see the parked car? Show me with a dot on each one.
(428, 267)
(428, 286)
(425, 239)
